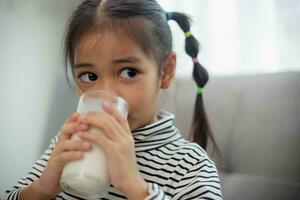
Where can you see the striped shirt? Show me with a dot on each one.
(173, 167)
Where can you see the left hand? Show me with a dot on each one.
(117, 144)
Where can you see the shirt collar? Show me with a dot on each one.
(157, 134)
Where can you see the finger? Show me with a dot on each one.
(72, 145)
(72, 118)
(107, 123)
(70, 128)
(68, 156)
(117, 115)
(98, 139)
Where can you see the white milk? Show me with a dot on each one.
(89, 177)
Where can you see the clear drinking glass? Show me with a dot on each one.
(88, 177)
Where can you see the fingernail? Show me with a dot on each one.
(105, 104)
(78, 154)
(82, 116)
(86, 145)
(82, 126)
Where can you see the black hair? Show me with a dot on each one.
(200, 130)
(145, 22)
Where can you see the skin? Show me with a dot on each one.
(114, 64)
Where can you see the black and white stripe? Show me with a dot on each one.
(173, 167)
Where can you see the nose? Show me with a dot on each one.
(106, 85)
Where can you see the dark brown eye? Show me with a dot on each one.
(128, 73)
(88, 77)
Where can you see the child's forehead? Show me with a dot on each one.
(108, 45)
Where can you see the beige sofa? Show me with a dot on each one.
(256, 121)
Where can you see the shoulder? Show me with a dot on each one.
(191, 152)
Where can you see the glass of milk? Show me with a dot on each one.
(88, 178)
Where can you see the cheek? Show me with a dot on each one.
(140, 91)
(142, 103)
(134, 99)
(143, 95)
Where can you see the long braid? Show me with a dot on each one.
(200, 130)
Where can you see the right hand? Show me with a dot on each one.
(65, 151)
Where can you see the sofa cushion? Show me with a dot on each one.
(237, 186)
(256, 122)
(264, 133)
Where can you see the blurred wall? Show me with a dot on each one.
(34, 95)
(240, 36)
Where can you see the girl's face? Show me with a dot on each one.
(116, 64)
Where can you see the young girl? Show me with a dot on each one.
(125, 47)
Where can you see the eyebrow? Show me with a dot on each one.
(132, 60)
(127, 60)
(80, 65)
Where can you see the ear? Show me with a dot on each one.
(168, 71)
